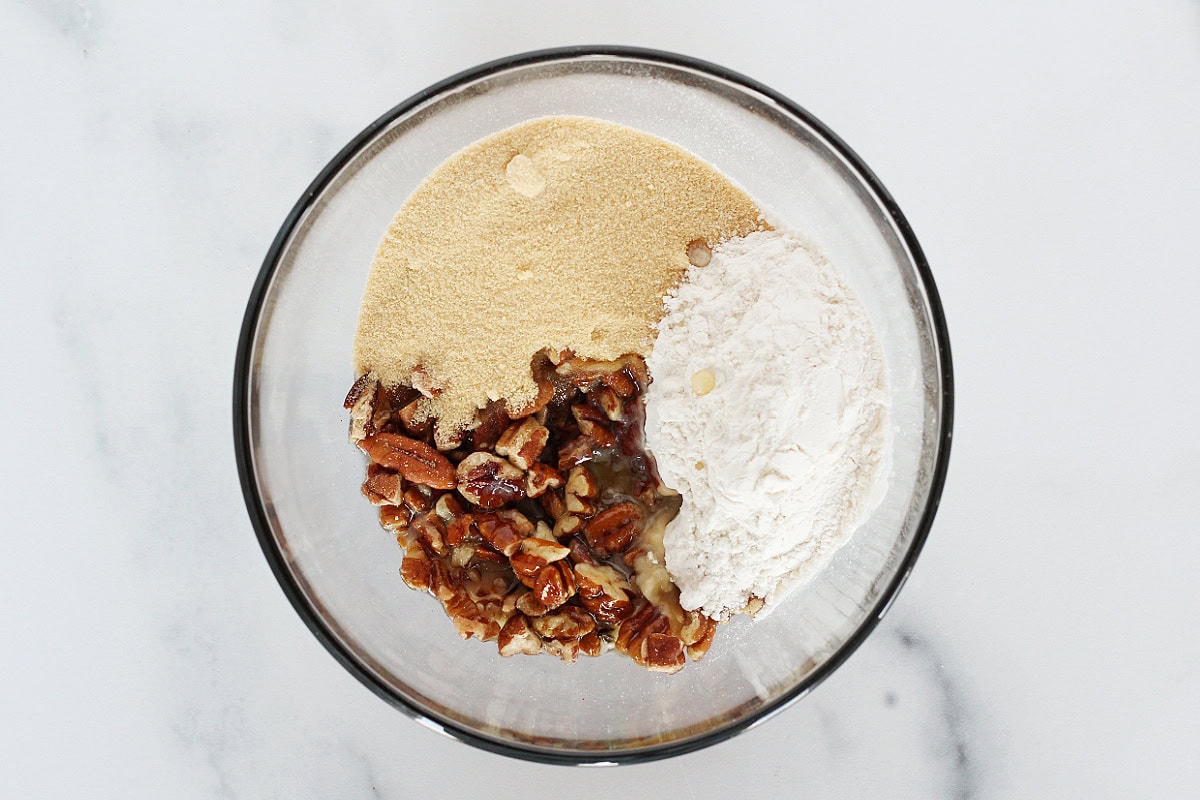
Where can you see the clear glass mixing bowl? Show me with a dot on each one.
(301, 477)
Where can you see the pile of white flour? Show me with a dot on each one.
(787, 453)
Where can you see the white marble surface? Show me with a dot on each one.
(1049, 160)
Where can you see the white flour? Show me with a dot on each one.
(787, 454)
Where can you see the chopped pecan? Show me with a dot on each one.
(526, 567)
(415, 568)
(604, 592)
(697, 649)
(498, 533)
(382, 486)
(540, 478)
(575, 452)
(394, 518)
(461, 530)
(590, 644)
(555, 584)
(580, 492)
(360, 402)
(545, 394)
(490, 423)
(580, 552)
(424, 383)
(614, 529)
(663, 652)
(566, 525)
(620, 384)
(415, 460)
(609, 402)
(432, 531)
(753, 606)
(413, 419)
(489, 481)
(567, 650)
(522, 442)
(570, 622)
(552, 504)
(592, 425)
(448, 508)
(418, 498)
(516, 637)
(519, 522)
(547, 550)
(467, 618)
(529, 605)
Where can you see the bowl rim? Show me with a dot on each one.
(275, 558)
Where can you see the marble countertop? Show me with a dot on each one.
(1048, 157)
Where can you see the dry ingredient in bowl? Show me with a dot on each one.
(767, 412)
(561, 233)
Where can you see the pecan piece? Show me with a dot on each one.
(529, 605)
(461, 530)
(575, 452)
(415, 460)
(566, 649)
(609, 402)
(592, 425)
(424, 383)
(413, 420)
(542, 399)
(382, 486)
(418, 498)
(467, 618)
(604, 592)
(570, 622)
(566, 525)
(555, 584)
(580, 491)
(540, 478)
(448, 508)
(432, 531)
(516, 637)
(360, 402)
(489, 481)
(498, 533)
(394, 518)
(590, 644)
(620, 384)
(522, 442)
(614, 529)
(697, 649)
(662, 652)
(548, 551)
(490, 423)
(415, 569)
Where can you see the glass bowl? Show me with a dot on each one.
(300, 476)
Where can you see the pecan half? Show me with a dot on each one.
(415, 460)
